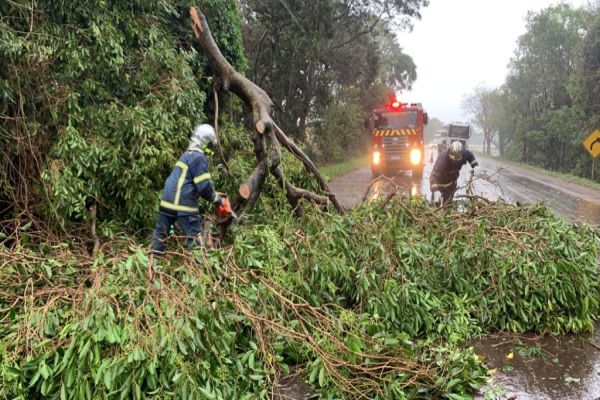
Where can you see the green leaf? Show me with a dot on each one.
(452, 383)
(322, 377)
(207, 393)
(454, 396)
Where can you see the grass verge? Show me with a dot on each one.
(344, 167)
(560, 175)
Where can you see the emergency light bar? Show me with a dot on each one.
(396, 105)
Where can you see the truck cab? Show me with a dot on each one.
(396, 131)
(459, 131)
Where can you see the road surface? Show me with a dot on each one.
(570, 200)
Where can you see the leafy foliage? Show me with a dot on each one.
(375, 302)
(97, 100)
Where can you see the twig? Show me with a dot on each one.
(594, 345)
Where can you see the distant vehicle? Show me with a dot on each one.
(397, 138)
(439, 141)
(459, 131)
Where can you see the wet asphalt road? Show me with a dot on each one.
(573, 202)
(570, 367)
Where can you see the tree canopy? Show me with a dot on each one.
(97, 99)
(549, 102)
(320, 56)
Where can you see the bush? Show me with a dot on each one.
(98, 100)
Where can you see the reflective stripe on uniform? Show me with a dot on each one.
(201, 178)
(180, 181)
(177, 207)
(435, 186)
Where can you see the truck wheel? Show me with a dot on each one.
(376, 173)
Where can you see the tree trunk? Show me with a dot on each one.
(306, 100)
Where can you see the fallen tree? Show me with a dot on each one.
(267, 137)
(372, 304)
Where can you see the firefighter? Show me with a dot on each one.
(188, 180)
(447, 168)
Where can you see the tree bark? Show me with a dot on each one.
(261, 106)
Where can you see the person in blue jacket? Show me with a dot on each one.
(188, 180)
(446, 170)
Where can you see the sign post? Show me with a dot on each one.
(592, 145)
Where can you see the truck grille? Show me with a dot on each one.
(395, 147)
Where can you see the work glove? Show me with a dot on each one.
(436, 198)
(224, 209)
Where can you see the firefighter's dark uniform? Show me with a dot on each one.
(445, 173)
(188, 181)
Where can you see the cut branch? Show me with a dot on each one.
(254, 181)
(253, 95)
(261, 105)
(309, 165)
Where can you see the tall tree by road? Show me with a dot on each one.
(307, 54)
(483, 105)
(538, 85)
(550, 100)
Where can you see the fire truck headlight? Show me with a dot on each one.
(376, 157)
(415, 156)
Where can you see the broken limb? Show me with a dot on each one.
(261, 105)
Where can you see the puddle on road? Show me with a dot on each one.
(549, 368)
(403, 182)
(520, 188)
(546, 368)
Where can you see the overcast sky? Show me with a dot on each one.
(459, 44)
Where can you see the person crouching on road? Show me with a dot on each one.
(446, 170)
(188, 180)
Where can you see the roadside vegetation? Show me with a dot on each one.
(342, 168)
(550, 100)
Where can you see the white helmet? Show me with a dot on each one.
(455, 151)
(202, 136)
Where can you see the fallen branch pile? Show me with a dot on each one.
(372, 304)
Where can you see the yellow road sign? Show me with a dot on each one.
(592, 143)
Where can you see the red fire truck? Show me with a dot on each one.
(397, 138)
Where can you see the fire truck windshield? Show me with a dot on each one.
(399, 119)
